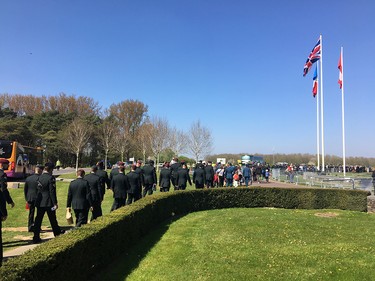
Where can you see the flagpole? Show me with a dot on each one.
(317, 128)
(321, 101)
(343, 112)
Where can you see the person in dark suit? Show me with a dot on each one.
(135, 186)
(165, 178)
(183, 177)
(139, 171)
(31, 192)
(103, 179)
(4, 198)
(175, 165)
(115, 170)
(46, 202)
(96, 192)
(149, 178)
(79, 198)
(199, 176)
(119, 186)
(209, 171)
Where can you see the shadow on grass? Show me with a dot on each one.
(120, 268)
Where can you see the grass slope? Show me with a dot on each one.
(254, 244)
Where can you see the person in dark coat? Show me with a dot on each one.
(183, 177)
(139, 171)
(119, 186)
(199, 176)
(79, 198)
(149, 178)
(135, 185)
(165, 178)
(103, 179)
(46, 202)
(175, 165)
(115, 170)
(4, 198)
(31, 192)
(209, 171)
(96, 192)
(228, 174)
(246, 172)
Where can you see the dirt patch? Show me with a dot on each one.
(326, 215)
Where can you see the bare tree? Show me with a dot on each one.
(200, 140)
(144, 139)
(130, 115)
(107, 131)
(159, 136)
(76, 135)
(178, 141)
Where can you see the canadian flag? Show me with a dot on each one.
(340, 69)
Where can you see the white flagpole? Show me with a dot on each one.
(343, 112)
(321, 101)
(317, 126)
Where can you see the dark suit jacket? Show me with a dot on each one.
(47, 196)
(113, 173)
(120, 185)
(79, 196)
(174, 169)
(31, 188)
(95, 189)
(103, 180)
(3, 207)
(199, 175)
(149, 174)
(4, 187)
(135, 186)
(209, 171)
(183, 176)
(165, 177)
(139, 171)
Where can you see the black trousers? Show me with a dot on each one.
(118, 203)
(40, 211)
(81, 216)
(96, 210)
(147, 190)
(30, 223)
(182, 186)
(132, 197)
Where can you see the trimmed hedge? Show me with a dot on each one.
(82, 252)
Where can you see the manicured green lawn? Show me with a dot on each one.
(254, 244)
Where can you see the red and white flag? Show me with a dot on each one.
(340, 69)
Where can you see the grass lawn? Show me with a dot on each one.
(254, 244)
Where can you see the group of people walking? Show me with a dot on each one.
(87, 191)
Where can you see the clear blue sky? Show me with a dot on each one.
(235, 65)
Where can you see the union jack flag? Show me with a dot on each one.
(312, 58)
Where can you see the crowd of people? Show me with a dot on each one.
(87, 191)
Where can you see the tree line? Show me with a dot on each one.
(78, 132)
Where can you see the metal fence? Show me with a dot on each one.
(324, 181)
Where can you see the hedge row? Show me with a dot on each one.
(81, 253)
